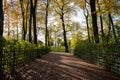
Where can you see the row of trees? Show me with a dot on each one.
(101, 9)
(33, 16)
(28, 12)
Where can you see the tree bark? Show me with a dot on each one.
(1, 36)
(46, 24)
(34, 22)
(34, 27)
(17, 32)
(26, 18)
(101, 23)
(23, 17)
(88, 28)
(64, 31)
(86, 17)
(109, 29)
(30, 22)
(8, 26)
(114, 33)
(94, 20)
(1, 18)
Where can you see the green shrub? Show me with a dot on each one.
(57, 48)
(19, 52)
(81, 49)
(104, 54)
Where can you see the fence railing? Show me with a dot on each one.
(109, 60)
(16, 58)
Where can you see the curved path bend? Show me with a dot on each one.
(63, 66)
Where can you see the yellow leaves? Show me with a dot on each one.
(116, 9)
(61, 2)
(14, 23)
(7, 37)
(82, 3)
(6, 5)
(107, 5)
(14, 14)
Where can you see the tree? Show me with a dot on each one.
(86, 14)
(30, 23)
(23, 19)
(94, 20)
(108, 6)
(1, 18)
(1, 36)
(61, 8)
(46, 23)
(33, 7)
(101, 20)
(47, 3)
(114, 32)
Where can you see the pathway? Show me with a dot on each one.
(62, 66)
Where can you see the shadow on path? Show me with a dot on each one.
(62, 66)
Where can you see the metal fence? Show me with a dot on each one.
(16, 58)
(109, 60)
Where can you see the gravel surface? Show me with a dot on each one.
(62, 66)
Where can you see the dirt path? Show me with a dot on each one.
(62, 66)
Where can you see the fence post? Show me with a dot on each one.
(13, 65)
(1, 65)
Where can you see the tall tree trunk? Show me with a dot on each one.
(109, 29)
(26, 18)
(86, 17)
(46, 24)
(34, 22)
(94, 20)
(88, 28)
(30, 23)
(23, 17)
(17, 32)
(101, 23)
(34, 28)
(24, 32)
(1, 18)
(114, 33)
(8, 27)
(1, 36)
(64, 32)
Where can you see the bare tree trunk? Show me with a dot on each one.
(23, 17)
(1, 36)
(101, 23)
(1, 18)
(30, 23)
(88, 28)
(34, 22)
(34, 27)
(64, 32)
(94, 21)
(86, 17)
(24, 32)
(26, 18)
(46, 24)
(17, 32)
(114, 33)
(109, 29)
(8, 27)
